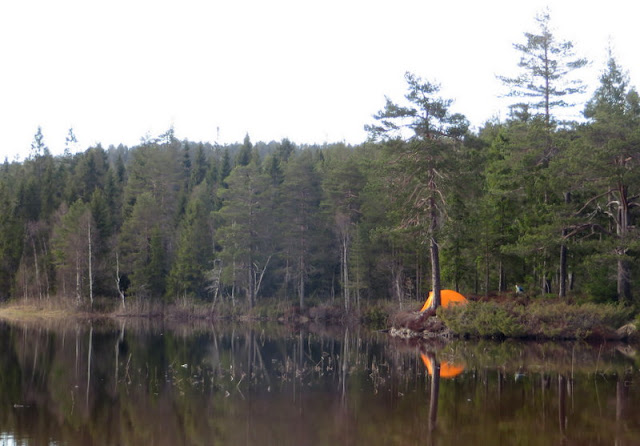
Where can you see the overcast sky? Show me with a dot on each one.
(311, 71)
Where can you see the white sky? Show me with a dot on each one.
(310, 71)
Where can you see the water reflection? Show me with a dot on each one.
(437, 370)
(125, 383)
(446, 370)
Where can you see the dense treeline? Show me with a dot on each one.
(533, 200)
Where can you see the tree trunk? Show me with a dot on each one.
(90, 262)
(287, 279)
(435, 392)
(396, 276)
(417, 285)
(35, 264)
(623, 269)
(476, 279)
(301, 282)
(258, 280)
(77, 277)
(502, 287)
(120, 293)
(233, 283)
(46, 275)
(251, 288)
(622, 397)
(562, 404)
(562, 276)
(562, 279)
(89, 364)
(623, 285)
(545, 283)
(344, 258)
(435, 255)
(435, 273)
(487, 270)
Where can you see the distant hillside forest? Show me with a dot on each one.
(532, 200)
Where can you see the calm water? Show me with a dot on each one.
(130, 384)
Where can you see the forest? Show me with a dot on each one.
(424, 203)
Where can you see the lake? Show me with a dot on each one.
(139, 383)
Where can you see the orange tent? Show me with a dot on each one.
(446, 370)
(447, 297)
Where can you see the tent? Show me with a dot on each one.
(447, 297)
(446, 370)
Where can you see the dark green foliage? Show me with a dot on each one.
(225, 166)
(337, 222)
(195, 249)
(285, 150)
(303, 226)
(598, 285)
(11, 235)
(140, 244)
(244, 154)
(156, 268)
(376, 317)
(604, 164)
(199, 169)
(89, 174)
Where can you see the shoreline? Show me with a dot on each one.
(541, 320)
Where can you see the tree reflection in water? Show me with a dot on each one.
(130, 383)
(437, 370)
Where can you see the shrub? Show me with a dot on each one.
(375, 317)
(481, 319)
(598, 285)
(540, 319)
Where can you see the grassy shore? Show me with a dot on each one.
(31, 311)
(187, 311)
(47, 314)
(484, 318)
(539, 318)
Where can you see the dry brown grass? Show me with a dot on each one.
(42, 311)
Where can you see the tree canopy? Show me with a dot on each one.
(426, 203)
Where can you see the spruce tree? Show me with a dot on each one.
(605, 163)
(546, 64)
(546, 83)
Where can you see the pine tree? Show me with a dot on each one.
(431, 136)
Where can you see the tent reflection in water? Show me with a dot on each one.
(446, 370)
(447, 297)
(437, 370)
